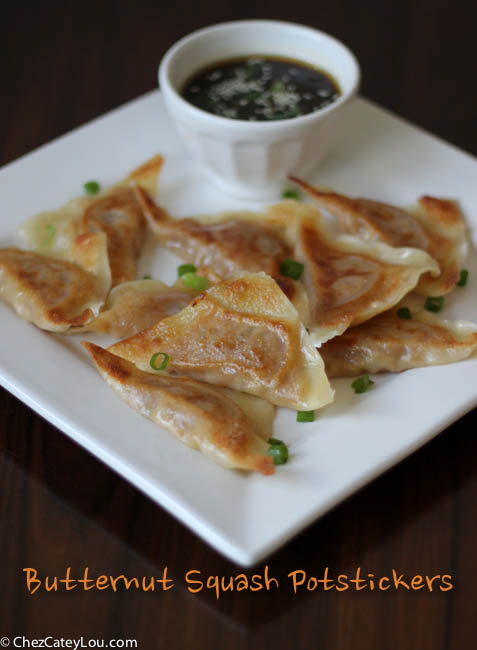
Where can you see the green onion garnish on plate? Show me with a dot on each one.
(146, 277)
(404, 312)
(193, 281)
(291, 269)
(50, 235)
(92, 187)
(305, 416)
(362, 384)
(163, 364)
(434, 303)
(463, 276)
(278, 451)
(291, 194)
(186, 268)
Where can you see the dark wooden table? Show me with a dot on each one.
(66, 63)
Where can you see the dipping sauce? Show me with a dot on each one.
(261, 88)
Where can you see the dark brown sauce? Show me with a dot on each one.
(261, 88)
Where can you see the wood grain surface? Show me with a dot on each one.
(64, 63)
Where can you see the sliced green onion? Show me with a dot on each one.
(278, 451)
(275, 441)
(434, 303)
(403, 312)
(164, 362)
(92, 187)
(305, 416)
(50, 235)
(291, 194)
(186, 268)
(146, 277)
(278, 87)
(362, 384)
(194, 281)
(463, 276)
(291, 269)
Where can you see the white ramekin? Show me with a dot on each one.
(252, 159)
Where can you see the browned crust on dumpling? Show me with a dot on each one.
(119, 215)
(49, 293)
(158, 396)
(437, 231)
(390, 343)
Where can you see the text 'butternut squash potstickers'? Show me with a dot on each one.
(435, 225)
(242, 333)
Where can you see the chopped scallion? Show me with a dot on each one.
(50, 235)
(186, 268)
(305, 416)
(404, 312)
(434, 303)
(194, 281)
(146, 277)
(291, 194)
(278, 451)
(463, 276)
(164, 362)
(291, 269)
(362, 384)
(92, 187)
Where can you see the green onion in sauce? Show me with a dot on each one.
(260, 88)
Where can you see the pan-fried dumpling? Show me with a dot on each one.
(226, 243)
(436, 226)
(242, 333)
(390, 343)
(348, 280)
(201, 416)
(134, 306)
(56, 294)
(115, 212)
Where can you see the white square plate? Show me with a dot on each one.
(352, 441)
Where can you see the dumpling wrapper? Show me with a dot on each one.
(115, 212)
(135, 306)
(242, 333)
(390, 343)
(201, 416)
(435, 225)
(56, 294)
(226, 243)
(349, 280)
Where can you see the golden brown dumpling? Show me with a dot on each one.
(55, 294)
(114, 212)
(201, 416)
(242, 333)
(226, 243)
(134, 306)
(349, 280)
(390, 343)
(436, 226)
